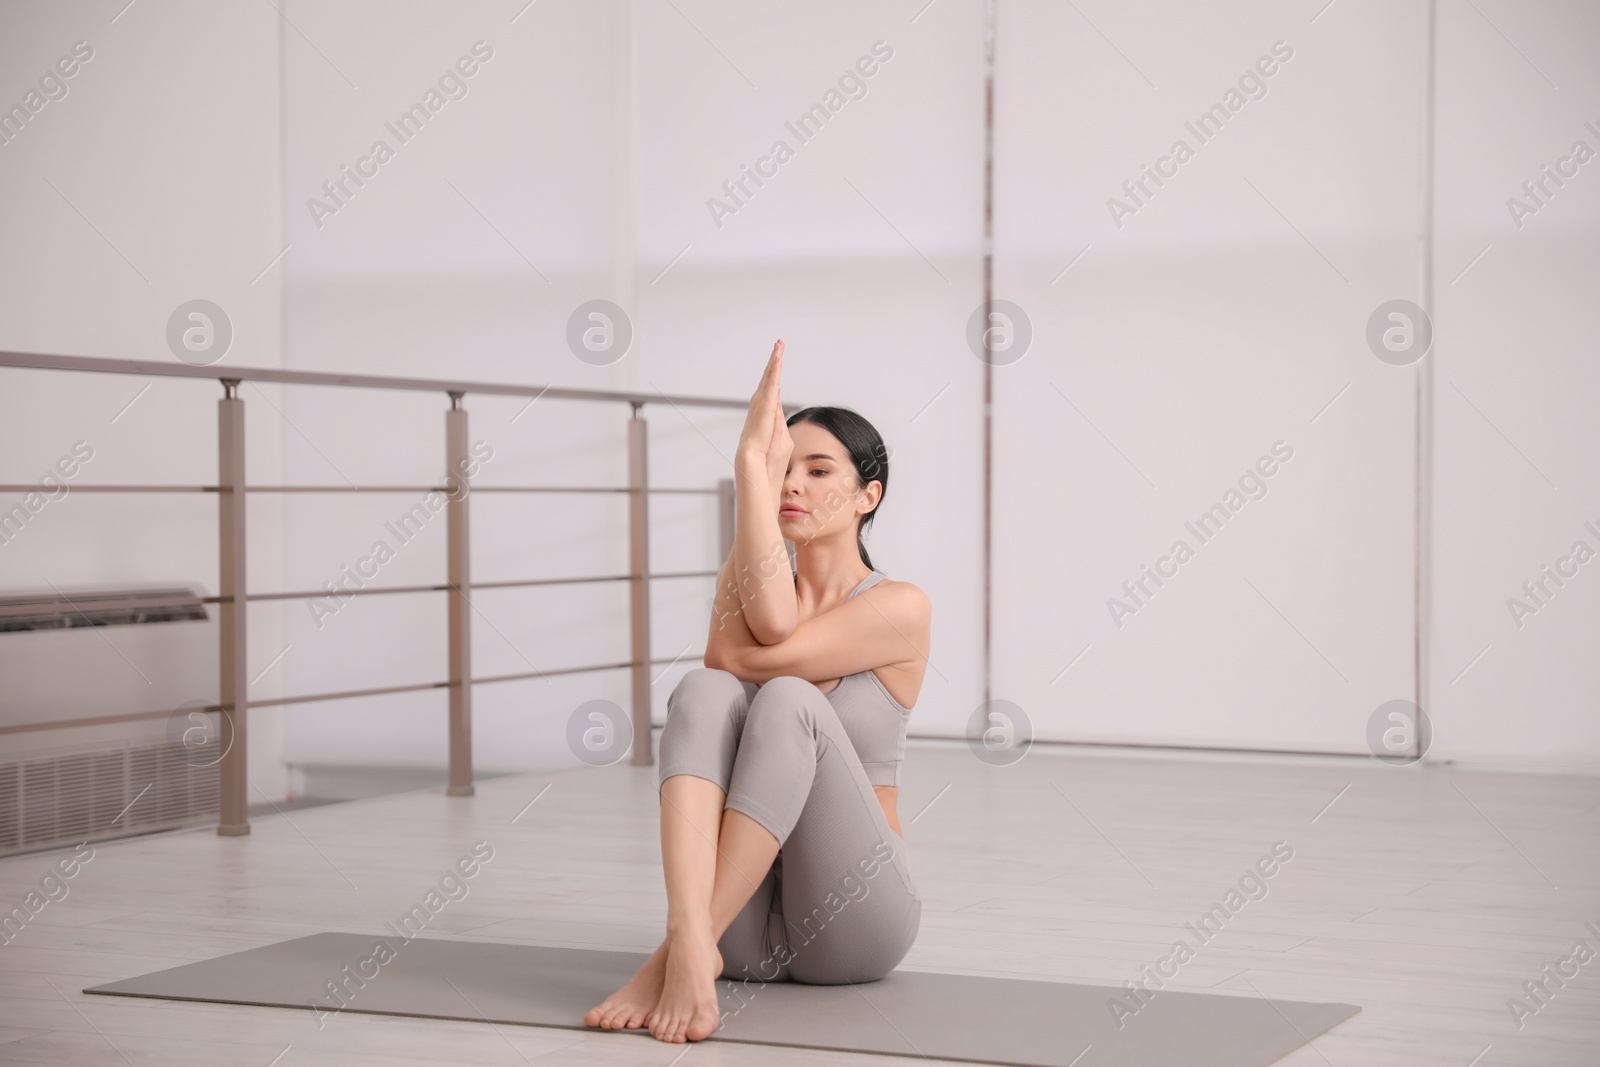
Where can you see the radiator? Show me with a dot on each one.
(70, 654)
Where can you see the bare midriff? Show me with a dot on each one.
(886, 797)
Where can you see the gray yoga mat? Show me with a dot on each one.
(908, 1013)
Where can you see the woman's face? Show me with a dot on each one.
(821, 495)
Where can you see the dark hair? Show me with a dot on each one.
(865, 445)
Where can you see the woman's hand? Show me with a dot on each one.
(764, 444)
(762, 578)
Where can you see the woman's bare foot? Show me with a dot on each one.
(627, 1008)
(687, 1010)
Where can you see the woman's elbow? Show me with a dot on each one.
(770, 633)
(721, 660)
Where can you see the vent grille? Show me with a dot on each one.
(101, 608)
(49, 800)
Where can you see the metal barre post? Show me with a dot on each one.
(233, 774)
(460, 608)
(639, 566)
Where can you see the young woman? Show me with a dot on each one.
(780, 760)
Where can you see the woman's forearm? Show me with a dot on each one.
(761, 573)
(729, 634)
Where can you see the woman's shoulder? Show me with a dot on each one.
(909, 594)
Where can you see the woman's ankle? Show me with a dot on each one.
(690, 926)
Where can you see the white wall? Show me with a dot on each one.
(864, 253)
(1209, 330)
(472, 246)
(1226, 314)
(1230, 309)
(1517, 469)
(153, 181)
(463, 256)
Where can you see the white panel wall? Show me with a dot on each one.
(1517, 383)
(863, 253)
(471, 247)
(151, 178)
(461, 256)
(1209, 331)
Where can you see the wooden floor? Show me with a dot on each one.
(1427, 895)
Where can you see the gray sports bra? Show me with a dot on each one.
(874, 720)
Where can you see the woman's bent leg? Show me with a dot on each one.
(706, 712)
(705, 720)
(714, 860)
(849, 908)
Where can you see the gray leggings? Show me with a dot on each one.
(838, 904)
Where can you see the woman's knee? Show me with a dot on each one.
(705, 714)
(705, 693)
(787, 703)
(786, 693)
(706, 685)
